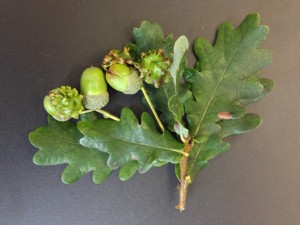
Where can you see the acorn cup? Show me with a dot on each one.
(124, 79)
(94, 88)
(63, 103)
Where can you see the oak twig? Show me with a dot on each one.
(185, 179)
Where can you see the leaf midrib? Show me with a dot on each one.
(214, 92)
(138, 143)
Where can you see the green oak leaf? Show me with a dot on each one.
(58, 143)
(225, 81)
(175, 103)
(128, 140)
(179, 62)
(150, 36)
(226, 76)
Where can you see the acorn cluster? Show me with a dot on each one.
(122, 72)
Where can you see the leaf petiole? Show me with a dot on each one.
(103, 112)
(107, 114)
(185, 154)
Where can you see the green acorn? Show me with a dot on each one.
(94, 88)
(154, 67)
(124, 79)
(63, 103)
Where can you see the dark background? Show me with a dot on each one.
(45, 44)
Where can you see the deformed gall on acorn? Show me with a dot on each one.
(63, 103)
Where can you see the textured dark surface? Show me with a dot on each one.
(45, 44)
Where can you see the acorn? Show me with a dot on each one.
(94, 88)
(124, 79)
(63, 103)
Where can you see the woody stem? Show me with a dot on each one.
(185, 179)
